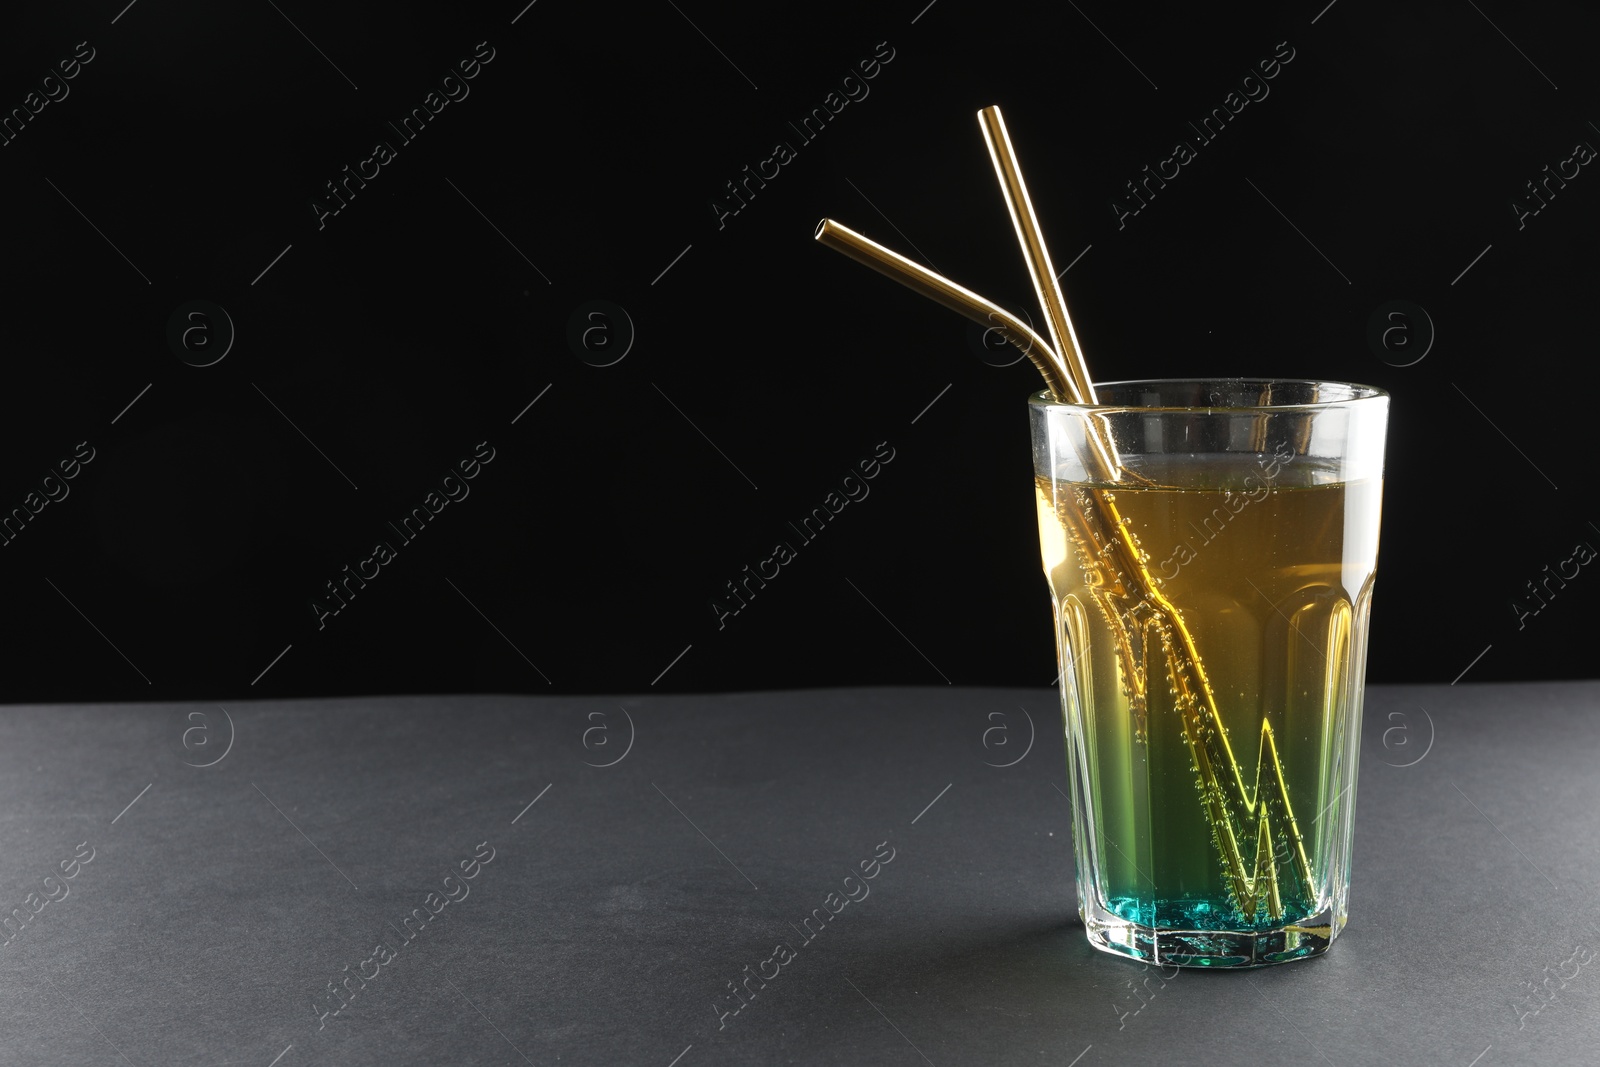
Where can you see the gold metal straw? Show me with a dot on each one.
(1023, 220)
(957, 298)
(1112, 548)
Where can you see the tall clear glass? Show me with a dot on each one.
(1211, 599)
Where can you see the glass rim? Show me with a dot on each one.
(1358, 393)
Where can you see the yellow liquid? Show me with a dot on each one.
(1211, 796)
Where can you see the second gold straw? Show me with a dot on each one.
(1004, 158)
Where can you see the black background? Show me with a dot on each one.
(373, 353)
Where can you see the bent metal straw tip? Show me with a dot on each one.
(957, 298)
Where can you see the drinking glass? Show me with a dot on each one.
(1210, 547)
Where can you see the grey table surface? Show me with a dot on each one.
(630, 857)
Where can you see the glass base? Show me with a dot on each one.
(1215, 948)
